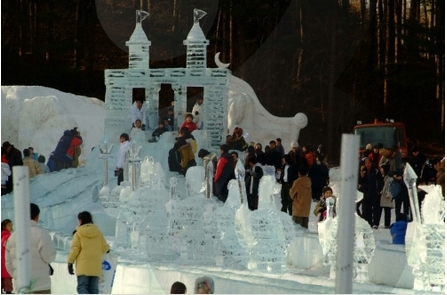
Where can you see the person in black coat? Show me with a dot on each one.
(273, 157)
(289, 173)
(319, 175)
(254, 175)
(417, 161)
(14, 157)
(260, 154)
(369, 185)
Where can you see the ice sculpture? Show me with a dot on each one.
(105, 155)
(152, 174)
(155, 240)
(242, 223)
(134, 159)
(263, 233)
(120, 83)
(187, 231)
(194, 181)
(364, 244)
(325, 231)
(426, 254)
(231, 252)
(123, 228)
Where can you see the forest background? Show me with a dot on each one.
(337, 61)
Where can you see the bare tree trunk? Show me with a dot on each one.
(20, 47)
(225, 52)
(50, 31)
(216, 34)
(30, 28)
(363, 10)
(440, 60)
(381, 48)
(389, 56)
(301, 42)
(231, 32)
(174, 15)
(398, 42)
(76, 41)
(332, 78)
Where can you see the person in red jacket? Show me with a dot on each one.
(6, 277)
(75, 148)
(224, 173)
(189, 123)
(309, 155)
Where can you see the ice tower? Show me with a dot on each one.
(139, 45)
(215, 82)
(196, 46)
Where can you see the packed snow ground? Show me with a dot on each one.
(39, 122)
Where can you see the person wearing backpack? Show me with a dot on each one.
(399, 193)
(60, 156)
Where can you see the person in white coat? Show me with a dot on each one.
(125, 146)
(6, 172)
(197, 112)
(138, 112)
(42, 252)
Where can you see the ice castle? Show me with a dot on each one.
(121, 82)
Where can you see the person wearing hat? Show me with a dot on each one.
(296, 155)
(204, 285)
(124, 147)
(42, 253)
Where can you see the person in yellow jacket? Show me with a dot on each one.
(87, 247)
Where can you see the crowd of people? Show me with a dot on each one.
(65, 155)
(383, 187)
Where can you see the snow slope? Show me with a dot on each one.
(61, 195)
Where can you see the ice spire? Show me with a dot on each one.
(139, 44)
(198, 14)
(141, 15)
(196, 43)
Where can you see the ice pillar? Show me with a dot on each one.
(152, 102)
(22, 228)
(346, 226)
(179, 104)
(105, 156)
